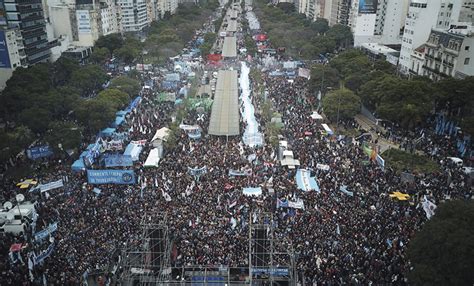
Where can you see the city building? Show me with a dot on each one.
(164, 6)
(449, 53)
(382, 21)
(340, 10)
(12, 54)
(27, 16)
(133, 15)
(422, 17)
(314, 9)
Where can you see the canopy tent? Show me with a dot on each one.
(121, 113)
(260, 37)
(133, 150)
(107, 132)
(225, 109)
(316, 116)
(160, 136)
(118, 121)
(78, 165)
(153, 158)
(229, 49)
(133, 104)
(327, 129)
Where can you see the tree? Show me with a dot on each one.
(100, 55)
(286, 7)
(111, 42)
(351, 62)
(316, 82)
(126, 84)
(88, 79)
(12, 142)
(128, 54)
(115, 97)
(441, 252)
(321, 26)
(341, 34)
(66, 133)
(341, 104)
(61, 71)
(35, 118)
(95, 114)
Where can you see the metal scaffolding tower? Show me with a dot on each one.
(271, 258)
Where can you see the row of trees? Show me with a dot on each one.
(407, 102)
(301, 37)
(59, 103)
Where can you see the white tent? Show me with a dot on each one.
(153, 158)
(160, 136)
(315, 115)
(133, 150)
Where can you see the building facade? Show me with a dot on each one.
(133, 15)
(12, 53)
(27, 16)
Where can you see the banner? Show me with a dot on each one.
(270, 271)
(343, 189)
(197, 171)
(110, 177)
(49, 186)
(39, 152)
(240, 173)
(302, 72)
(118, 160)
(380, 161)
(40, 235)
(114, 145)
(43, 255)
(298, 204)
(252, 191)
(138, 142)
(322, 167)
(195, 134)
(367, 6)
(305, 182)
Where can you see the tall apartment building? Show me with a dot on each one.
(12, 53)
(422, 17)
(314, 9)
(381, 21)
(133, 15)
(164, 6)
(340, 11)
(27, 16)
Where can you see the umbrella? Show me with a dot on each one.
(26, 183)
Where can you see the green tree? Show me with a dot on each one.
(441, 252)
(100, 55)
(321, 26)
(61, 71)
(341, 34)
(115, 97)
(66, 133)
(128, 53)
(317, 83)
(88, 79)
(342, 104)
(351, 62)
(111, 42)
(95, 114)
(126, 84)
(12, 142)
(35, 118)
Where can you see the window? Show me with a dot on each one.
(466, 48)
(466, 61)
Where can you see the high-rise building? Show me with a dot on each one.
(340, 10)
(27, 16)
(164, 6)
(12, 54)
(133, 15)
(378, 21)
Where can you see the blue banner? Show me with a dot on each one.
(305, 182)
(4, 56)
(110, 177)
(118, 160)
(40, 235)
(43, 255)
(271, 271)
(39, 152)
(197, 171)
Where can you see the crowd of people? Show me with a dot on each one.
(358, 236)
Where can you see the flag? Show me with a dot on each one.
(429, 207)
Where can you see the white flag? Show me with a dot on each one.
(429, 207)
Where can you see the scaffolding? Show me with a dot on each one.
(271, 258)
(146, 260)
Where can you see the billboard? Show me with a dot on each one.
(4, 56)
(110, 177)
(367, 6)
(83, 21)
